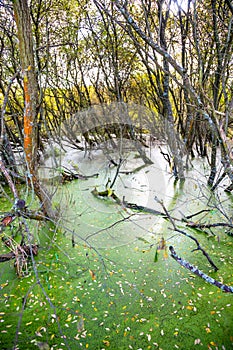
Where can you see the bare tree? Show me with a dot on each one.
(23, 22)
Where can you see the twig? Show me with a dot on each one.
(70, 175)
(217, 224)
(195, 214)
(9, 180)
(7, 256)
(199, 273)
(109, 227)
(117, 172)
(5, 101)
(145, 210)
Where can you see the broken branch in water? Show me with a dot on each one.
(7, 256)
(199, 247)
(69, 175)
(21, 253)
(117, 173)
(125, 204)
(199, 273)
(201, 226)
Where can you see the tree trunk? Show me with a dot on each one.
(23, 22)
(167, 107)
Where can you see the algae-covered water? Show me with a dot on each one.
(98, 283)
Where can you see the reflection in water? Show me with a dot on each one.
(93, 215)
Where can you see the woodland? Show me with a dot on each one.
(115, 114)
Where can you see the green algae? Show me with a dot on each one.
(107, 292)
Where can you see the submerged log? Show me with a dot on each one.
(196, 271)
(139, 208)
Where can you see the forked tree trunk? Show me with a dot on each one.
(24, 28)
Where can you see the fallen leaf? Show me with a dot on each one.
(106, 342)
(189, 307)
(93, 277)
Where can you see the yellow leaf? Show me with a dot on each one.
(109, 192)
(106, 342)
(93, 277)
(69, 318)
(189, 307)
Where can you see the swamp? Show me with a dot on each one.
(116, 175)
(103, 277)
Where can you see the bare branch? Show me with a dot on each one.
(199, 247)
(199, 273)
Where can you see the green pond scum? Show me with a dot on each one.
(116, 296)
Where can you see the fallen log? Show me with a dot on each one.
(196, 271)
(139, 208)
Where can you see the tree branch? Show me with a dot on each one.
(9, 180)
(199, 247)
(199, 273)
